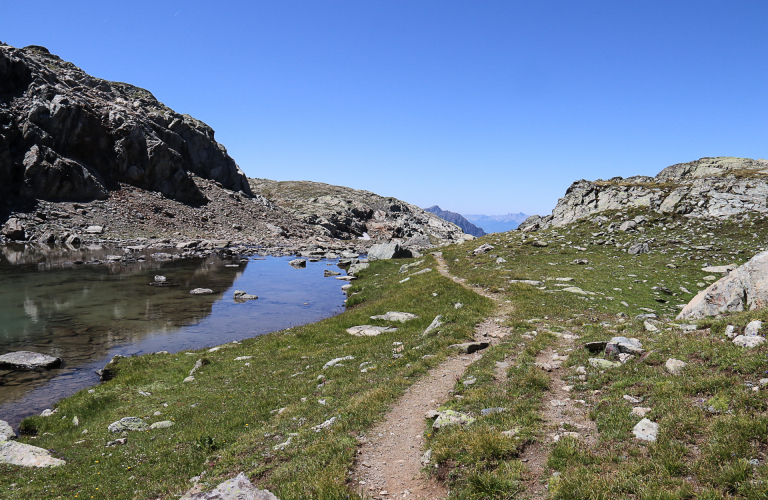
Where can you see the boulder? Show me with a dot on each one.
(240, 295)
(6, 431)
(401, 317)
(389, 251)
(13, 229)
(369, 330)
(357, 267)
(753, 327)
(26, 455)
(645, 430)
(164, 424)
(27, 360)
(237, 488)
(298, 263)
(448, 418)
(469, 347)
(128, 424)
(748, 342)
(745, 288)
(675, 366)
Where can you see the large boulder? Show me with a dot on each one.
(745, 288)
(65, 135)
(13, 229)
(26, 455)
(388, 251)
(237, 488)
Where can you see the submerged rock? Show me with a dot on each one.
(28, 360)
(298, 263)
(242, 296)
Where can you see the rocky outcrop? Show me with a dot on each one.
(709, 187)
(65, 135)
(349, 213)
(457, 219)
(745, 288)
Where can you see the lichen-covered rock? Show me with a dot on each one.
(26, 455)
(237, 488)
(447, 418)
(128, 424)
(66, 135)
(708, 187)
(745, 288)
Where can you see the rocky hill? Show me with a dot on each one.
(457, 219)
(349, 213)
(65, 135)
(706, 188)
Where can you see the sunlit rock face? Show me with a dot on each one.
(65, 135)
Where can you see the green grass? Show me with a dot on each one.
(225, 421)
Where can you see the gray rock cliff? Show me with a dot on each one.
(65, 135)
(706, 188)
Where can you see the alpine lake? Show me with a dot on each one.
(80, 306)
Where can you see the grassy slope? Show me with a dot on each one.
(712, 421)
(225, 420)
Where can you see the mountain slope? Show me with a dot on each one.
(65, 135)
(347, 213)
(457, 219)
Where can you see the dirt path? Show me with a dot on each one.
(388, 463)
(561, 415)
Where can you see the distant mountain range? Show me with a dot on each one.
(457, 219)
(497, 223)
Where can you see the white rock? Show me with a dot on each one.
(402, 317)
(748, 342)
(675, 366)
(336, 361)
(753, 327)
(645, 430)
(640, 411)
(25, 455)
(730, 331)
(369, 330)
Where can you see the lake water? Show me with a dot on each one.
(87, 313)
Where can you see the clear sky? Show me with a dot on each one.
(478, 106)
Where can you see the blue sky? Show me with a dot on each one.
(478, 106)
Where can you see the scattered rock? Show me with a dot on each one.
(425, 458)
(128, 424)
(298, 263)
(645, 430)
(161, 425)
(336, 361)
(539, 243)
(6, 431)
(600, 363)
(448, 418)
(27, 360)
(469, 347)
(24, 455)
(117, 442)
(484, 248)
(328, 273)
(746, 287)
(748, 342)
(638, 248)
(241, 295)
(730, 331)
(324, 425)
(401, 317)
(640, 411)
(369, 330)
(436, 323)
(237, 488)
(650, 327)
(389, 251)
(675, 366)
(753, 328)
(357, 267)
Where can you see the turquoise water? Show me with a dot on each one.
(87, 312)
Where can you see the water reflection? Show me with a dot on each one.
(86, 313)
